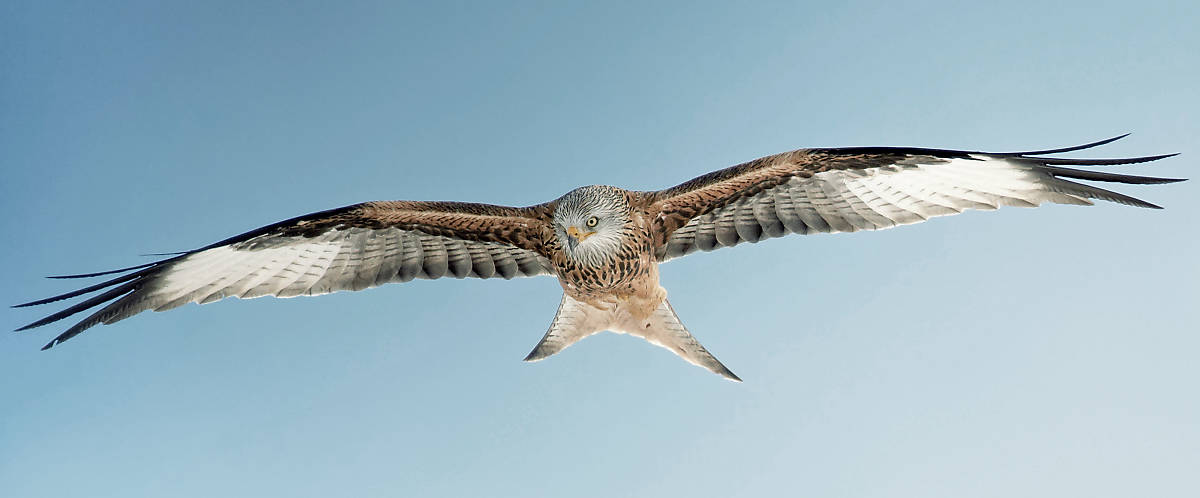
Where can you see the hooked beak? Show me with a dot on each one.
(574, 236)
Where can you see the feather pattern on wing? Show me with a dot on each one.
(350, 248)
(850, 189)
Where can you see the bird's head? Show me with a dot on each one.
(590, 221)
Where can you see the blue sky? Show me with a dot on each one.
(1021, 352)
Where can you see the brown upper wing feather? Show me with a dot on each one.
(678, 205)
(713, 190)
(526, 228)
(521, 227)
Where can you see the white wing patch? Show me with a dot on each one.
(875, 198)
(342, 259)
(222, 272)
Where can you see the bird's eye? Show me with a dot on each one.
(591, 222)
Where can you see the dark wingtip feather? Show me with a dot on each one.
(114, 311)
(1100, 176)
(109, 272)
(85, 290)
(85, 305)
(1094, 192)
(1099, 162)
(63, 337)
(1069, 149)
(131, 282)
(176, 253)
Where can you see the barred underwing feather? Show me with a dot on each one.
(869, 188)
(351, 248)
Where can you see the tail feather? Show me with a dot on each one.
(573, 321)
(664, 329)
(576, 320)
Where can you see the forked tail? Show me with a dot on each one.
(576, 320)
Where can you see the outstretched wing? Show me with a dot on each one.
(850, 189)
(349, 248)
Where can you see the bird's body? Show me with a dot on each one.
(628, 271)
(604, 244)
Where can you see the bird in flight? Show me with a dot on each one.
(602, 243)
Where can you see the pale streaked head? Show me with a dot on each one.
(589, 222)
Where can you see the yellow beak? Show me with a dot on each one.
(574, 236)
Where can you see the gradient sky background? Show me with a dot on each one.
(1047, 352)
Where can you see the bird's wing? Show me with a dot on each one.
(850, 189)
(349, 248)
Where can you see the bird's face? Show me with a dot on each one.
(589, 222)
